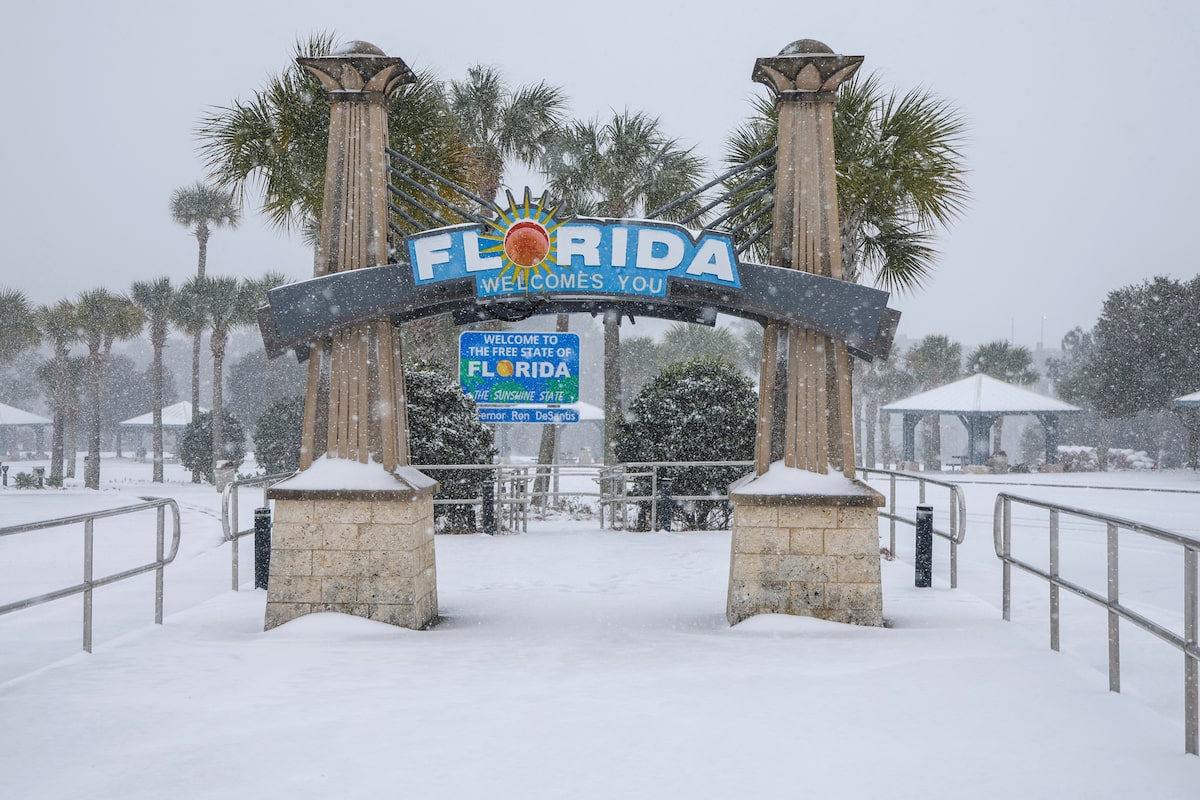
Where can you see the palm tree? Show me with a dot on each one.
(257, 290)
(191, 316)
(1007, 363)
(620, 168)
(900, 176)
(201, 208)
(157, 301)
(279, 139)
(18, 324)
(230, 304)
(101, 318)
(499, 124)
(57, 324)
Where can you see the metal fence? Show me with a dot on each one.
(1109, 598)
(955, 507)
(90, 582)
(229, 513)
(618, 484)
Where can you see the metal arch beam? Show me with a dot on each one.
(299, 313)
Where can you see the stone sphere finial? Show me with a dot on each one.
(806, 47)
(359, 48)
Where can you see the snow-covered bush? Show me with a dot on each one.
(195, 450)
(444, 428)
(701, 410)
(278, 434)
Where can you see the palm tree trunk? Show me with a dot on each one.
(56, 444)
(612, 387)
(157, 474)
(548, 445)
(218, 433)
(202, 241)
(91, 471)
(196, 389)
(72, 439)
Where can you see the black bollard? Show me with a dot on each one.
(666, 506)
(489, 509)
(4, 474)
(923, 561)
(262, 547)
(40, 474)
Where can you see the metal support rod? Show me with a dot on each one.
(1191, 661)
(1055, 566)
(159, 551)
(923, 560)
(87, 582)
(955, 534)
(1006, 551)
(665, 511)
(1114, 619)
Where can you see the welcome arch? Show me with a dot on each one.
(354, 529)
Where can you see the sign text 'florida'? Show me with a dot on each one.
(579, 256)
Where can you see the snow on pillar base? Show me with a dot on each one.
(366, 552)
(807, 546)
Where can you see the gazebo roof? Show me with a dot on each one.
(1192, 399)
(174, 416)
(979, 394)
(15, 416)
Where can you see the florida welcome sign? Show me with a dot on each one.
(528, 249)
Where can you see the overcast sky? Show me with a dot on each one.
(1082, 159)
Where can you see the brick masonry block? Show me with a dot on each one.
(292, 511)
(285, 561)
(761, 540)
(294, 589)
(858, 517)
(852, 541)
(808, 517)
(401, 511)
(379, 590)
(328, 563)
(394, 563)
(756, 516)
(806, 542)
(858, 569)
(279, 613)
(339, 536)
(327, 511)
(339, 589)
(296, 535)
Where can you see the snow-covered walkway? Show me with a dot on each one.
(577, 663)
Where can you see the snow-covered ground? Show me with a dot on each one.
(578, 662)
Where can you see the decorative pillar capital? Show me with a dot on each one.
(359, 72)
(805, 71)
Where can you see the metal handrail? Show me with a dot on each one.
(91, 583)
(229, 514)
(617, 477)
(1186, 642)
(957, 505)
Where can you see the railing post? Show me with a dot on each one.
(87, 582)
(653, 494)
(923, 560)
(1191, 665)
(666, 510)
(1114, 619)
(158, 573)
(892, 514)
(1054, 574)
(1006, 548)
(488, 513)
(262, 547)
(955, 530)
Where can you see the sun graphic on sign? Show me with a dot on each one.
(525, 236)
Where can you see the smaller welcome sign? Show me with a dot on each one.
(514, 368)
(527, 249)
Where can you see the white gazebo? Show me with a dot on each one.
(174, 418)
(979, 401)
(11, 417)
(1191, 402)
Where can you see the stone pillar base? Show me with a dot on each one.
(367, 552)
(814, 555)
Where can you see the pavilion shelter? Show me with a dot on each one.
(11, 417)
(174, 419)
(1190, 403)
(978, 401)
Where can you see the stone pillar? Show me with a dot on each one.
(805, 541)
(353, 532)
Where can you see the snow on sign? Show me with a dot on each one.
(514, 368)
